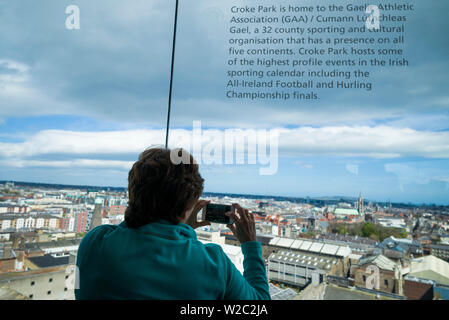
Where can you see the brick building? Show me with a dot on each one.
(389, 278)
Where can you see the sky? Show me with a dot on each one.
(78, 106)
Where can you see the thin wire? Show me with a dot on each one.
(171, 75)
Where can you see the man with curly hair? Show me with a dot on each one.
(155, 254)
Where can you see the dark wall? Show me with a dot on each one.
(418, 291)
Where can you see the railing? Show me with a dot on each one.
(339, 281)
(380, 293)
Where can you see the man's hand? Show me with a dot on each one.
(192, 220)
(243, 226)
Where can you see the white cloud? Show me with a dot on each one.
(12, 71)
(372, 142)
(441, 101)
(76, 163)
(352, 168)
(126, 74)
(304, 165)
(94, 143)
(416, 174)
(430, 121)
(419, 90)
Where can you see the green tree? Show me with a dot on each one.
(402, 233)
(368, 229)
(311, 234)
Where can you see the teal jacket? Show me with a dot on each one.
(165, 261)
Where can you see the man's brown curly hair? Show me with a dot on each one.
(160, 189)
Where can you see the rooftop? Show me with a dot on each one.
(281, 294)
(7, 293)
(49, 260)
(320, 247)
(303, 260)
(5, 277)
(348, 238)
(53, 244)
(430, 268)
(346, 212)
(264, 239)
(339, 293)
(440, 246)
(26, 216)
(379, 260)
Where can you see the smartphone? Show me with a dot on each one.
(214, 212)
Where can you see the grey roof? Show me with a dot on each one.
(379, 260)
(263, 239)
(349, 239)
(392, 239)
(329, 249)
(430, 267)
(26, 216)
(53, 244)
(281, 294)
(439, 246)
(302, 259)
(393, 254)
(7, 293)
(306, 245)
(343, 252)
(8, 276)
(274, 241)
(319, 246)
(296, 244)
(316, 247)
(49, 260)
(285, 242)
(338, 293)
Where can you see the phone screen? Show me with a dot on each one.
(216, 213)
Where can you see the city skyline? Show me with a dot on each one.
(80, 106)
(335, 197)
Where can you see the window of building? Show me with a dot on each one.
(31, 296)
(50, 280)
(386, 282)
(364, 278)
(48, 292)
(65, 289)
(32, 283)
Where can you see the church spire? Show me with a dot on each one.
(360, 203)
